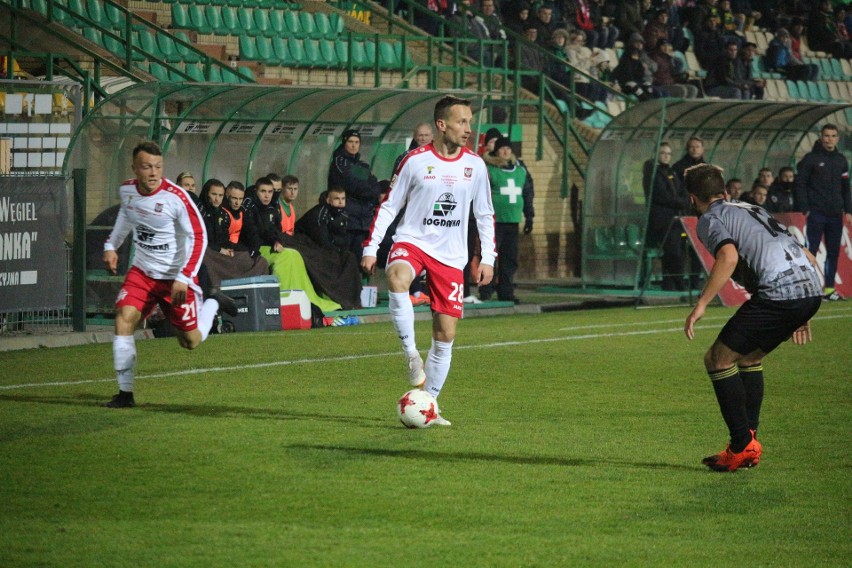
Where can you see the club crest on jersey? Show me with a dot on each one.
(399, 253)
(443, 207)
(158, 208)
(468, 172)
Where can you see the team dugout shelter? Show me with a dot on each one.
(740, 136)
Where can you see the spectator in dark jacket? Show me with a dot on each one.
(363, 190)
(628, 17)
(725, 77)
(781, 197)
(822, 193)
(666, 199)
(823, 34)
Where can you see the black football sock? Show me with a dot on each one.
(732, 402)
(752, 378)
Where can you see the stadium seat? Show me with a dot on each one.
(370, 53)
(93, 35)
(322, 26)
(180, 17)
(342, 49)
(313, 57)
(297, 51)
(228, 76)
(195, 72)
(148, 43)
(388, 56)
(96, 13)
(846, 65)
(188, 55)
(397, 48)
(230, 20)
(281, 47)
(792, 90)
(837, 69)
(214, 75)
(198, 19)
(261, 22)
(265, 52)
(168, 48)
(159, 72)
(116, 16)
(246, 71)
(329, 54)
(336, 24)
(246, 17)
(213, 15)
(114, 46)
(306, 23)
(824, 94)
(291, 20)
(276, 23)
(248, 48)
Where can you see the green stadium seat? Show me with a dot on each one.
(370, 53)
(265, 52)
(277, 24)
(247, 21)
(159, 71)
(313, 57)
(93, 35)
(837, 69)
(792, 90)
(388, 57)
(248, 48)
(824, 95)
(231, 20)
(116, 16)
(114, 46)
(281, 47)
(306, 23)
(38, 6)
(336, 25)
(213, 15)
(804, 90)
(261, 22)
(188, 55)
(168, 48)
(97, 15)
(291, 20)
(329, 54)
(397, 47)
(342, 49)
(246, 71)
(228, 76)
(148, 43)
(180, 17)
(359, 56)
(297, 50)
(215, 74)
(199, 19)
(61, 12)
(195, 72)
(322, 26)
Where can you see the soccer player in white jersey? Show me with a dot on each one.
(757, 251)
(439, 184)
(170, 239)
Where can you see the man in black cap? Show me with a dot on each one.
(363, 190)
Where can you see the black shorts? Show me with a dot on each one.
(766, 324)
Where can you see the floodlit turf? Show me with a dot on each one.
(576, 441)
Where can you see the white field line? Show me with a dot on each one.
(396, 353)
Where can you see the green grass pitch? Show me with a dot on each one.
(576, 441)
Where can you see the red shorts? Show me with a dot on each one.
(143, 293)
(446, 284)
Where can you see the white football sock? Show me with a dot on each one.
(402, 314)
(438, 366)
(206, 316)
(124, 360)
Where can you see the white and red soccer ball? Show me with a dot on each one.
(417, 409)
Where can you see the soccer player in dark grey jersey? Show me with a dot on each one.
(758, 252)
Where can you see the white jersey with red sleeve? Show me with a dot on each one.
(168, 231)
(438, 195)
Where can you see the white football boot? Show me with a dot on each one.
(416, 374)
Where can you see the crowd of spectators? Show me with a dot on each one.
(580, 32)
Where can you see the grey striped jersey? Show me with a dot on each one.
(772, 264)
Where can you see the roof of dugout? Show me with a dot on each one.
(243, 132)
(739, 136)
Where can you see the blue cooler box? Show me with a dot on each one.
(258, 303)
